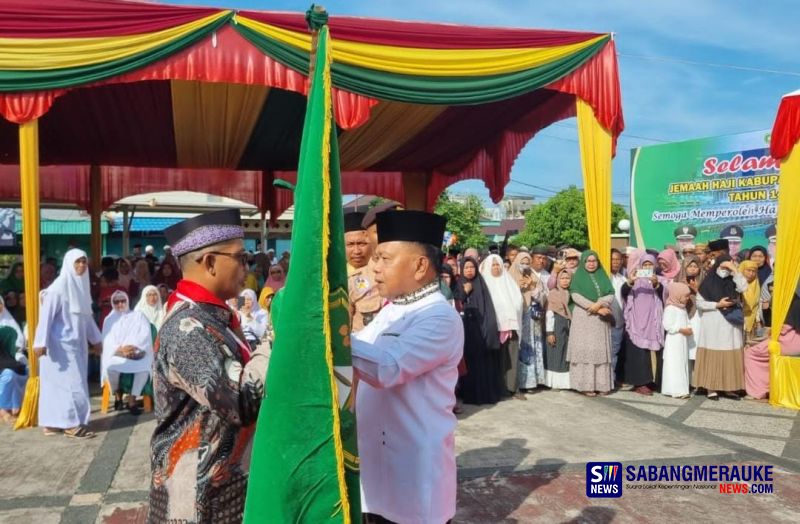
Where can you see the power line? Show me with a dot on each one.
(534, 186)
(624, 134)
(712, 64)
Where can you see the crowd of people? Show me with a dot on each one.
(427, 329)
(100, 326)
(670, 322)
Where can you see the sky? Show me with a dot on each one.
(688, 68)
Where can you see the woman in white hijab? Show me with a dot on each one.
(508, 307)
(254, 319)
(65, 330)
(151, 307)
(127, 348)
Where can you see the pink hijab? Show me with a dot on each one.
(276, 282)
(633, 259)
(671, 258)
(676, 293)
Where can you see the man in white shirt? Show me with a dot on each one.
(406, 360)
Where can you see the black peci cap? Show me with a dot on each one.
(719, 245)
(352, 221)
(411, 226)
(204, 230)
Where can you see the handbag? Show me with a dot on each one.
(734, 315)
(536, 311)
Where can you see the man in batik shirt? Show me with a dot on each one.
(207, 384)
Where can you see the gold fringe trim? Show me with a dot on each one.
(326, 205)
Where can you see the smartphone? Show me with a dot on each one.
(240, 303)
(644, 273)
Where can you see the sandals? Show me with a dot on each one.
(79, 432)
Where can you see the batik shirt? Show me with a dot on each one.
(200, 451)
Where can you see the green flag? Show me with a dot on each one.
(304, 465)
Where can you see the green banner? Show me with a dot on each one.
(700, 190)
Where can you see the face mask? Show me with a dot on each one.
(523, 267)
(723, 273)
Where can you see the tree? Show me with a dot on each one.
(562, 220)
(463, 219)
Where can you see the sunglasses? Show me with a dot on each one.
(241, 258)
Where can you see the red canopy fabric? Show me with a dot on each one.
(129, 119)
(786, 130)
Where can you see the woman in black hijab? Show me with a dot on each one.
(484, 381)
(719, 366)
(760, 256)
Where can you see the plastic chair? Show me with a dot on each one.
(125, 385)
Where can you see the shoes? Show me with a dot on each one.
(118, 405)
(134, 410)
(79, 432)
(712, 396)
(643, 390)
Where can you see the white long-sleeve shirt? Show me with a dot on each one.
(408, 360)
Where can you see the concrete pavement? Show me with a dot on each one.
(519, 461)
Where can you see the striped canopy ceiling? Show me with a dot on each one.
(145, 85)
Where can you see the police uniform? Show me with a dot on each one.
(407, 359)
(364, 298)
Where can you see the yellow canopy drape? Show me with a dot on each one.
(784, 371)
(29, 186)
(595, 146)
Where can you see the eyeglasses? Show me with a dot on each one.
(120, 302)
(241, 257)
(276, 272)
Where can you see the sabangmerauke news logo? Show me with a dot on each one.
(604, 480)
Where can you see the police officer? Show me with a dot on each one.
(364, 299)
(733, 234)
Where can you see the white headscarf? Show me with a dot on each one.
(122, 329)
(505, 293)
(7, 320)
(155, 314)
(260, 321)
(73, 289)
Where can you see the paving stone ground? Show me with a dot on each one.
(519, 462)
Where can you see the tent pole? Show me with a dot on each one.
(415, 186)
(29, 186)
(96, 211)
